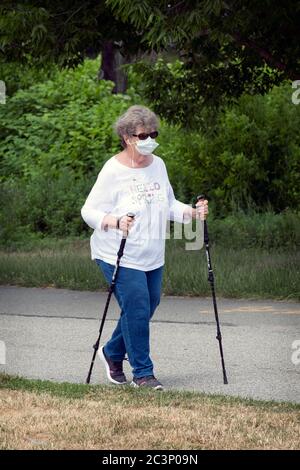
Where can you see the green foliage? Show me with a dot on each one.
(176, 92)
(254, 230)
(44, 32)
(57, 134)
(249, 159)
(231, 47)
(63, 122)
(173, 92)
(43, 206)
(20, 76)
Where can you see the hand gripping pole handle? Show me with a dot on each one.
(201, 197)
(122, 245)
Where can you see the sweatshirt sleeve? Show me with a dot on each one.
(99, 201)
(176, 207)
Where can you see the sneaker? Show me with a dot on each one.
(150, 381)
(114, 369)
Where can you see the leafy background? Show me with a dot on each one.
(57, 133)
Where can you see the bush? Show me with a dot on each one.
(172, 90)
(268, 230)
(64, 122)
(251, 159)
(44, 207)
(19, 76)
(52, 208)
(57, 134)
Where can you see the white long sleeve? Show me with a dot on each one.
(99, 201)
(176, 207)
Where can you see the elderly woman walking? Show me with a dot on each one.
(135, 180)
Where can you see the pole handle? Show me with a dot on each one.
(122, 245)
(201, 197)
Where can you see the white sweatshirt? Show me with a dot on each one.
(147, 193)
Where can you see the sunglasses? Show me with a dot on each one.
(144, 136)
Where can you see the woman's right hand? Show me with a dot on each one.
(125, 223)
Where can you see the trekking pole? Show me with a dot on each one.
(211, 281)
(111, 289)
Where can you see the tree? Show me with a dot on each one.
(231, 46)
(39, 32)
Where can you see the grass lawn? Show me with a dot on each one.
(38, 414)
(241, 273)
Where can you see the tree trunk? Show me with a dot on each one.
(110, 69)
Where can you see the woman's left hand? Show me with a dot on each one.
(202, 209)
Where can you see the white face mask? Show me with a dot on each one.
(146, 147)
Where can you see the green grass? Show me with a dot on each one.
(131, 396)
(239, 272)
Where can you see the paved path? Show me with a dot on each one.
(49, 333)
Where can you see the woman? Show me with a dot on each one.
(134, 181)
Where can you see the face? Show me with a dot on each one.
(139, 130)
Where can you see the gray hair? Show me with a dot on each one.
(134, 117)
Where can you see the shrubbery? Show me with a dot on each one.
(56, 135)
(45, 206)
(246, 155)
(62, 123)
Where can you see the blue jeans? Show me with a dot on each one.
(138, 295)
